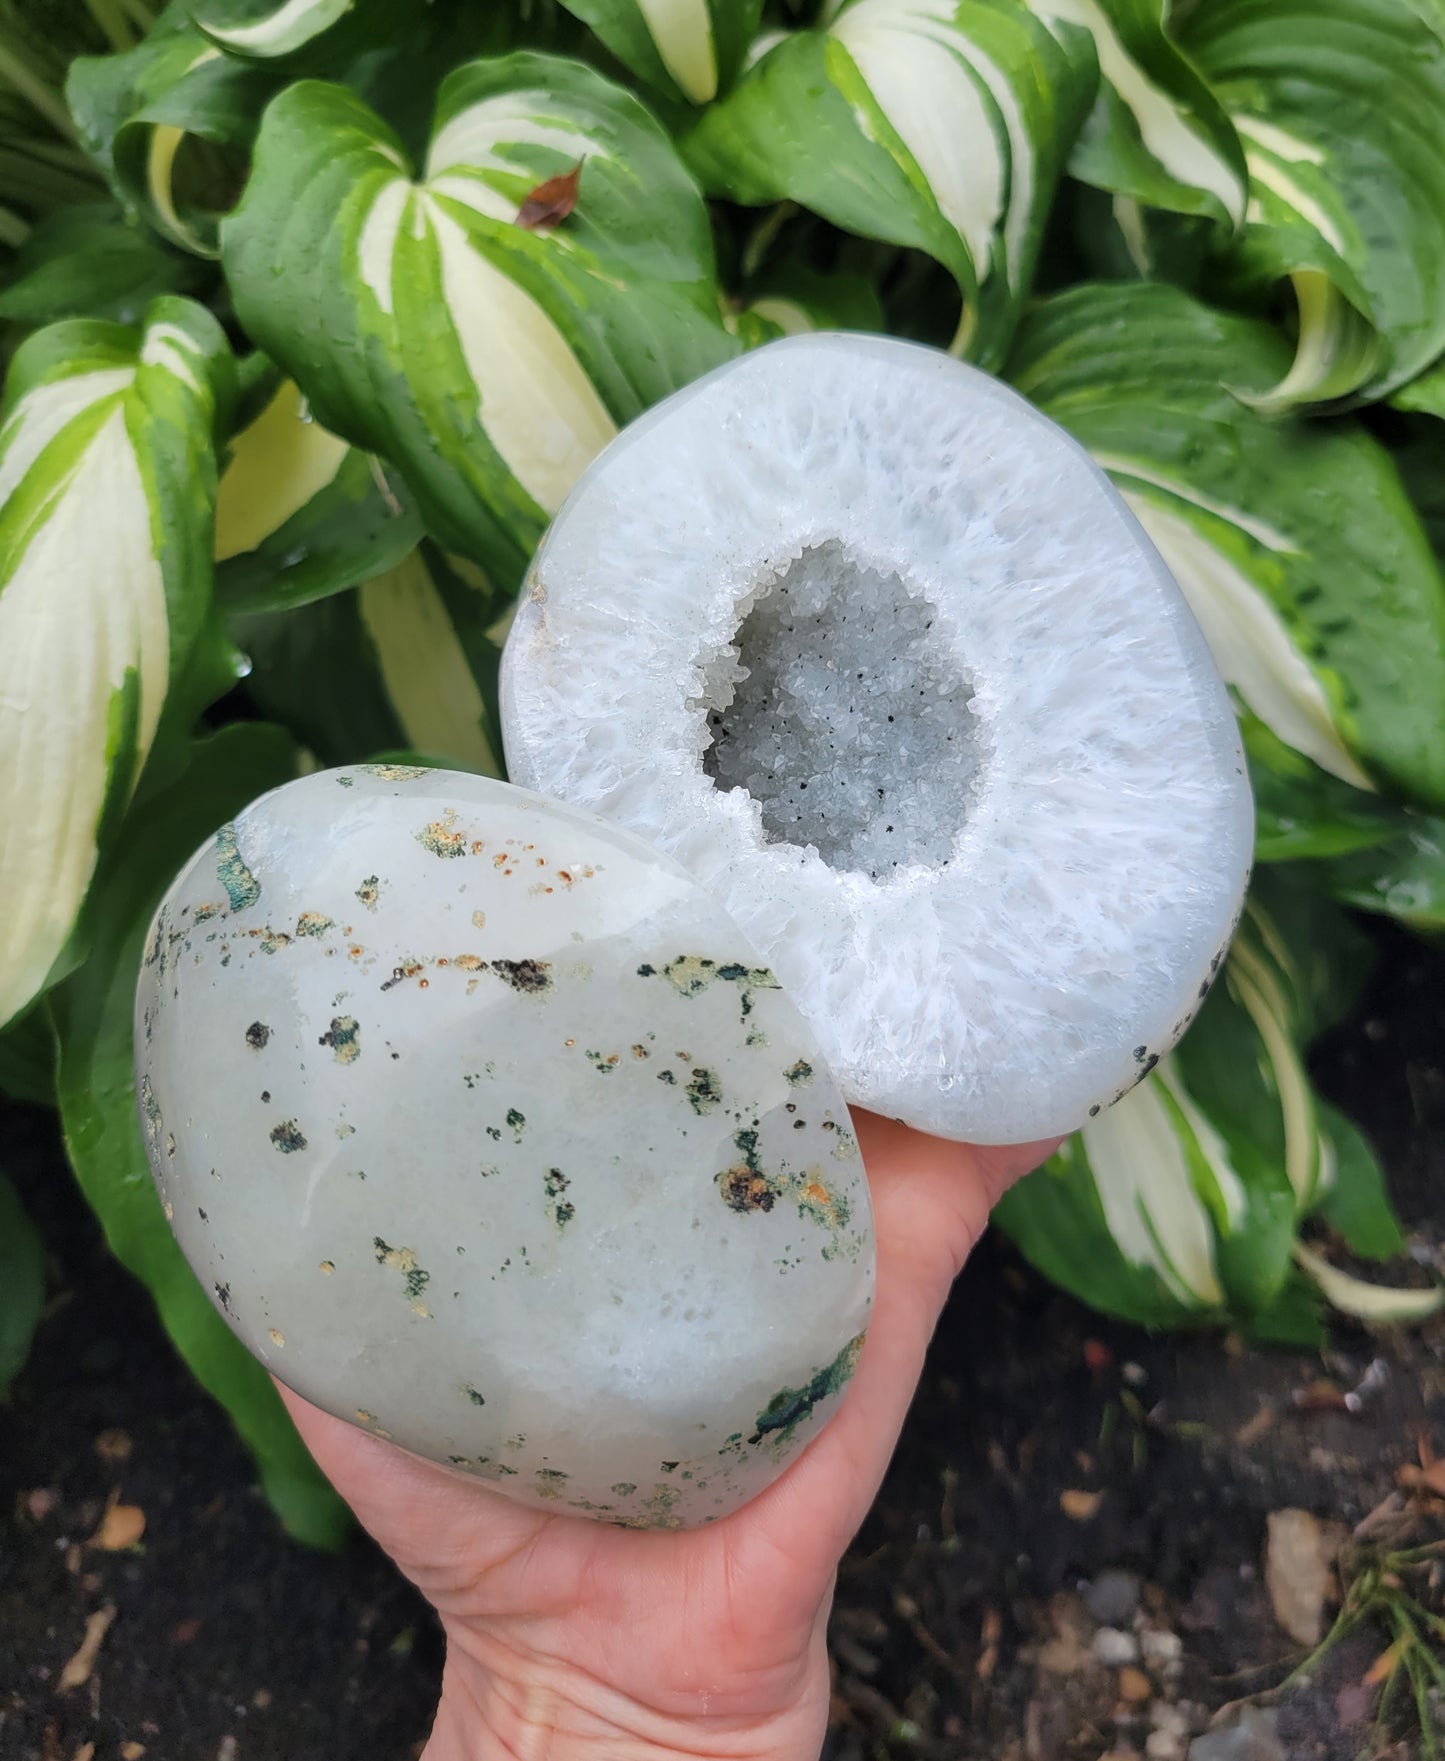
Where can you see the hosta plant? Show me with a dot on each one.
(315, 314)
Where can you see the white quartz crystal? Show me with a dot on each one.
(489, 1131)
(875, 650)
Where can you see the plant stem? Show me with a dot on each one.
(111, 20)
(38, 185)
(13, 230)
(33, 88)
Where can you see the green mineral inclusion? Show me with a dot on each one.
(242, 887)
(791, 1406)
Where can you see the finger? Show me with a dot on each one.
(417, 1510)
(931, 1201)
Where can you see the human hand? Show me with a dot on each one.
(567, 1637)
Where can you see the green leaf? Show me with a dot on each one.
(1341, 108)
(1294, 1318)
(1302, 811)
(301, 514)
(1417, 445)
(170, 123)
(93, 1012)
(106, 484)
(940, 125)
(1424, 395)
(1403, 877)
(1295, 545)
(1355, 1202)
(87, 261)
(27, 1059)
(688, 50)
(408, 660)
(488, 361)
(22, 1284)
(1157, 134)
(796, 297)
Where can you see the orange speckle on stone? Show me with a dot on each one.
(478, 845)
(569, 1042)
(500, 859)
(356, 952)
(422, 983)
(818, 1193)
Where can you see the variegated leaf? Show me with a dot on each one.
(409, 660)
(685, 49)
(1340, 105)
(107, 479)
(1402, 876)
(1157, 134)
(292, 31)
(86, 261)
(1183, 1200)
(300, 513)
(1295, 546)
(1384, 1304)
(1116, 1216)
(170, 123)
(93, 1015)
(489, 361)
(941, 125)
(795, 298)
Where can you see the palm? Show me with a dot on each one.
(722, 1622)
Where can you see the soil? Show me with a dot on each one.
(1089, 1476)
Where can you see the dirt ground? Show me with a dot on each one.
(1065, 1561)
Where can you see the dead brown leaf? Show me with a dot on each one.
(1385, 1664)
(1320, 1395)
(1429, 1478)
(38, 1504)
(989, 1634)
(1134, 1686)
(1300, 1553)
(77, 1672)
(86, 1752)
(121, 1526)
(552, 201)
(132, 1751)
(113, 1446)
(1250, 1432)
(1080, 1506)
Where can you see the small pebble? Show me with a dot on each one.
(1167, 1740)
(1253, 1738)
(1112, 1597)
(1114, 1647)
